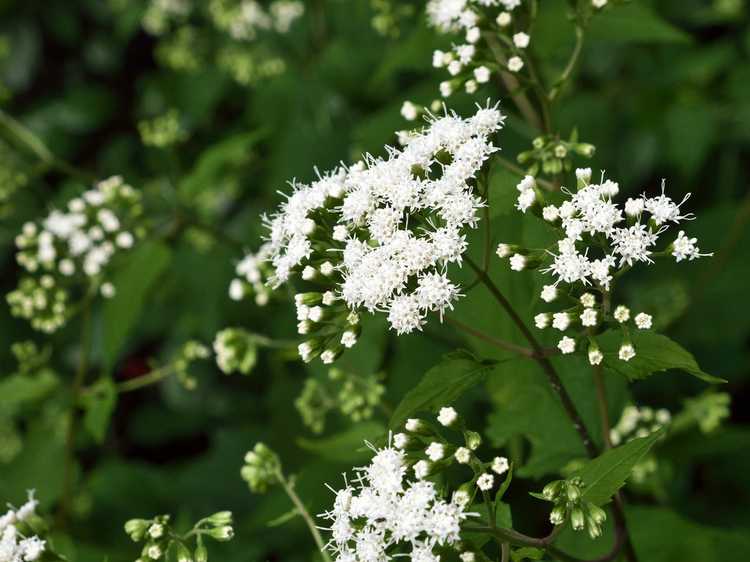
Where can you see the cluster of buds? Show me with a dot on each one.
(162, 131)
(567, 498)
(29, 356)
(328, 323)
(252, 273)
(262, 468)
(68, 253)
(638, 422)
(159, 537)
(551, 155)
(190, 352)
(236, 350)
(20, 531)
(354, 396)
(429, 452)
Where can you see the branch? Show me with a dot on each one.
(501, 344)
(539, 357)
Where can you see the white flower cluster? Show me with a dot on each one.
(382, 509)
(638, 422)
(14, 546)
(600, 240)
(244, 19)
(379, 235)
(74, 247)
(252, 273)
(477, 19)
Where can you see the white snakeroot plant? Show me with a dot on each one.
(68, 254)
(599, 241)
(381, 509)
(378, 236)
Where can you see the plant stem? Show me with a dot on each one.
(145, 380)
(571, 63)
(288, 486)
(541, 358)
(72, 430)
(508, 165)
(500, 344)
(19, 134)
(601, 399)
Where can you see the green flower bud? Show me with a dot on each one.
(473, 440)
(201, 554)
(220, 518)
(136, 528)
(577, 518)
(552, 490)
(224, 533)
(572, 491)
(261, 468)
(182, 553)
(557, 515)
(596, 513)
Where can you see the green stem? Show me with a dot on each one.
(508, 165)
(72, 430)
(17, 133)
(288, 486)
(572, 62)
(500, 344)
(148, 379)
(541, 358)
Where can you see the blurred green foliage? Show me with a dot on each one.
(663, 91)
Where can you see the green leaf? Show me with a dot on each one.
(283, 518)
(133, 283)
(503, 517)
(654, 353)
(347, 446)
(505, 485)
(607, 473)
(442, 384)
(18, 390)
(635, 22)
(99, 404)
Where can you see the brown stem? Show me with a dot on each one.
(541, 358)
(501, 344)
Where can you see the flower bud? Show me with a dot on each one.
(596, 513)
(473, 440)
(572, 492)
(223, 533)
(182, 553)
(136, 528)
(552, 490)
(577, 519)
(201, 554)
(220, 518)
(557, 515)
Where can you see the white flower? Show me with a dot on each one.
(500, 465)
(348, 339)
(588, 300)
(526, 199)
(634, 207)
(462, 455)
(438, 59)
(541, 320)
(598, 4)
(471, 86)
(567, 345)
(549, 293)
(589, 318)
(503, 250)
(583, 175)
(421, 469)
(595, 356)
(107, 290)
(482, 74)
(521, 40)
(686, 248)
(447, 416)
(561, 321)
(154, 552)
(446, 89)
(435, 451)
(467, 556)
(517, 262)
(550, 213)
(400, 440)
(413, 424)
(473, 34)
(643, 321)
(515, 64)
(156, 530)
(622, 314)
(503, 19)
(627, 352)
(485, 482)
(455, 67)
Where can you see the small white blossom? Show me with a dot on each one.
(627, 352)
(435, 451)
(550, 213)
(503, 19)
(561, 321)
(521, 40)
(643, 321)
(622, 314)
(500, 465)
(447, 416)
(485, 482)
(462, 455)
(595, 356)
(409, 111)
(482, 74)
(549, 293)
(567, 345)
(589, 318)
(518, 262)
(515, 64)
(541, 320)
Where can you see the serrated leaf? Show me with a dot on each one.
(99, 404)
(443, 384)
(133, 283)
(607, 473)
(654, 353)
(347, 446)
